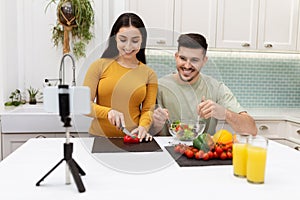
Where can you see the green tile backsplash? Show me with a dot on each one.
(259, 80)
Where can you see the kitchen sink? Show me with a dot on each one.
(33, 118)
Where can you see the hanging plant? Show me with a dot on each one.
(75, 17)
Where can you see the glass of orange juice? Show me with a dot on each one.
(239, 155)
(257, 156)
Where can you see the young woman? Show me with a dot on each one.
(123, 88)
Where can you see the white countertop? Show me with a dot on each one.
(111, 175)
(32, 118)
(291, 114)
(288, 114)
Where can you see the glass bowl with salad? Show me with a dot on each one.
(186, 130)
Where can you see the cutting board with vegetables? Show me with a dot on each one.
(111, 145)
(206, 150)
(183, 161)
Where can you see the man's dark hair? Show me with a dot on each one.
(192, 40)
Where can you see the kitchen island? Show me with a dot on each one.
(153, 175)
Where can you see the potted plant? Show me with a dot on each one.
(15, 99)
(33, 94)
(75, 17)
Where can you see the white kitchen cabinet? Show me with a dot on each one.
(197, 16)
(272, 129)
(278, 24)
(237, 24)
(0, 141)
(268, 25)
(157, 16)
(166, 20)
(13, 141)
(294, 131)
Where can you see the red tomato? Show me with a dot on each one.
(223, 156)
(210, 154)
(205, 156)
(229, 147)
(189, 153)
(198, 156)
(195, 150)
(229, 155)
(182, 150)
(219, 150)
(177, 148)
(225, 148)
(178, 128)
(216, 155)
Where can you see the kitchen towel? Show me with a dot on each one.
(110, 145)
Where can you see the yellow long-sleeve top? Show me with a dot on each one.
(131, 91)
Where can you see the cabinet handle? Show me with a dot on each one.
(40, 136)
(245, 44)
(268, 45)
(263, 128)
(298, 131)
(297, 148)
(161, 42)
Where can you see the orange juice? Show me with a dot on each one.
(239, 159)
(256, 164)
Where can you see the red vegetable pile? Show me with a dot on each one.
(220, 151)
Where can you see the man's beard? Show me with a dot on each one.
(188, 80)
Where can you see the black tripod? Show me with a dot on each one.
(75, 169)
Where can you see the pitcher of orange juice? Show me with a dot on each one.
(239, 155)
(257, 156)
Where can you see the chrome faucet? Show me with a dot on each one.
(62, 70)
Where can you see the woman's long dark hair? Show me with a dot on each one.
(126, 20)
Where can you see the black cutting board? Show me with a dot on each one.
(111, 145)
(184, 161)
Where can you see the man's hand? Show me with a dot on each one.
(208, 108)
(160, 115)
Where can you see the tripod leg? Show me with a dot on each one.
(75, 173)
(79, 168)
(38, 183)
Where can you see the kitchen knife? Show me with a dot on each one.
(127, 132)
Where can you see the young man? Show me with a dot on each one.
(189, 93)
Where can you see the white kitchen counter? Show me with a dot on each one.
(33, 118)
(111, 175)
(288, 114)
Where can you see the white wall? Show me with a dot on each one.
(27, 52)
(2, 50)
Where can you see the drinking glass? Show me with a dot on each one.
(239, 155)
(257, 156)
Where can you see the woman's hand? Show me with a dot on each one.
(116, 118)
(142, 133)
